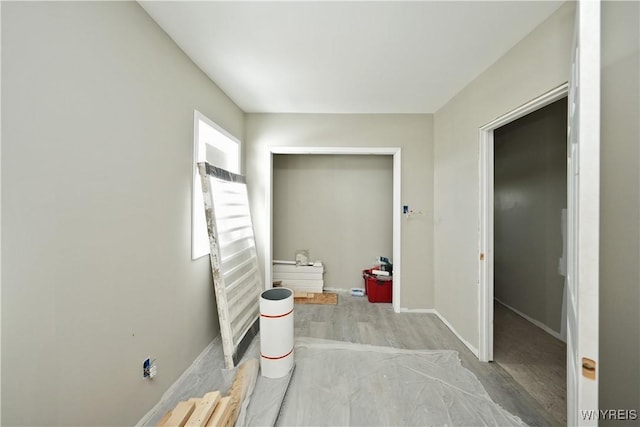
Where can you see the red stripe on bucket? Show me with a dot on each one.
(276, 315)
(276, 358)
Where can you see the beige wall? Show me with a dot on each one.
(337, 206)
(530, 191)
(97, 124)
(413, 133)
(620, 209)
(97, 107)
(538, 63)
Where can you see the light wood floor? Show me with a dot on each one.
(535, 359)
(356, 320)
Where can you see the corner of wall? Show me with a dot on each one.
(537, 64)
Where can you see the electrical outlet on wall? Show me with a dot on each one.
(149, 368)
(145, 367)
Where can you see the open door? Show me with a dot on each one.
(583, 217)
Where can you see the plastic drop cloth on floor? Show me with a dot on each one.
(338, 384)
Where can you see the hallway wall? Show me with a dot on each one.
(539, 63)
(413, 133)
(530, 180)
(620, 210)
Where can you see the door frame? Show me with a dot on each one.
(396, 152)
(583, 216)
(486, 258)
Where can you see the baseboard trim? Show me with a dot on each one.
(452, 329)
(336, 290)
(537, 323)
(445, 321)
(417, 310)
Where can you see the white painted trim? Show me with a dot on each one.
(397, 228)
(337, 290)
(485, 247)
(485, 257)
(197, 115)
(0, 214)
(583, 214)
(537, 323)
(268, 244)
(362, 151)
(418, 310)
(452, 329)
(397, 204)
(199, 155)
(535, 104)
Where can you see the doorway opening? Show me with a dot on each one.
(486, 260)
(530, 202)
(395, 152)
(510, 199)
(339, 209)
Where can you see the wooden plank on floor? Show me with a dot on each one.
(246, 373)
(327, 298)
(203, 410)
(221, 414)
(164, 419)
(181, 414)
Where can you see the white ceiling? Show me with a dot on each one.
(346, 57)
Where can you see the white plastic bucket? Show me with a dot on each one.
(276, 332)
